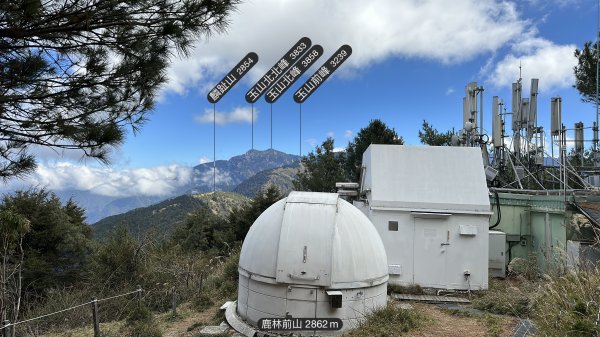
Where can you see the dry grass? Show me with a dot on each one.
(507, 297)
(390, 320)
(569, 305)
(445, 323)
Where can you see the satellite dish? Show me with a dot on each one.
(454, 140)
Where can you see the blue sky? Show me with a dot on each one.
(411, 61)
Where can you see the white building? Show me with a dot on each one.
(311, 255)
(431, 207)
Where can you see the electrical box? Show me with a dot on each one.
(335, 298)
(497, 254)
(469, 230)
(513, 237)
(395, 269)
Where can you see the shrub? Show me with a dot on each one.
(568, 305)
(506, 299)
(141, 323)
(390, 320)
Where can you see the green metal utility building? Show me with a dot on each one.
(541, 225)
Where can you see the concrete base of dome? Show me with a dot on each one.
(258, 300)
(236, 322)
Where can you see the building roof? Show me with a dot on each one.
(434, 178)
(314, 239)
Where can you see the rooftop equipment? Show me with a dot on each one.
(555, 115)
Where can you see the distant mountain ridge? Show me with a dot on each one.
(280, 177)
(230, 173)
(166, 215)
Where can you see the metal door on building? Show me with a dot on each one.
(431, 240)
(301, 302)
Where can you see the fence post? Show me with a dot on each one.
(174, 301)
(95, 317)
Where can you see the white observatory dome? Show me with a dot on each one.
(312, 255)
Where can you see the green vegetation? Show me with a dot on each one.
(430, 136)
(324, 167)
(280, 177)
(321, 169)
(44, 246)
(568, 305)
(125, 49)
(493, 325)
(390, 320)
(49, 241)
(377, 132)
(505, 298)
(141, 323)
(585, 71)
(167, 215)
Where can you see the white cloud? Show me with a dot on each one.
(450, 91)
(219, 178)
(339, 149)
(539, 58)
(156, 181)
(559, 3)
(331, 134)
(204, 160)
(444, 31)
(237, 115)
(312, 142)
(348, 134)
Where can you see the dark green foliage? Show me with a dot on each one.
(203, 231)
(58, 245)
(169, 214)
(321, 169)
(585, 71)
(118, 261)
(75, 73)
(375, 133)
(164, 216)
(430, 136)
(241, 218)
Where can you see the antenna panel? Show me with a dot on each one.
(555, 115)
(516, 107)
(466, 113)
(471, 91)
(496, 123)
(533, 103)
(524, 111)
(579, 137)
